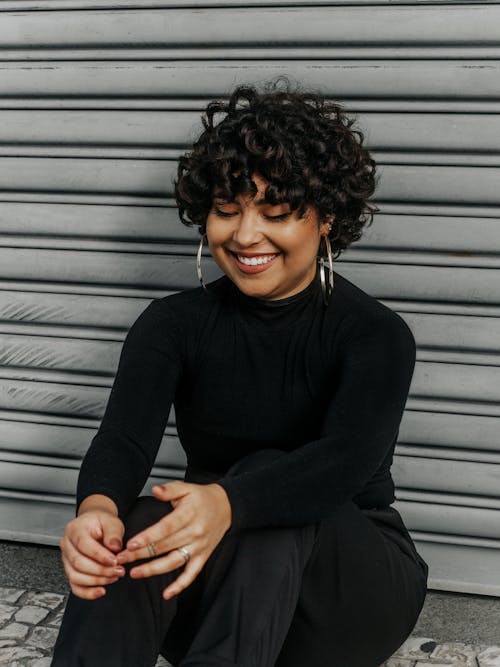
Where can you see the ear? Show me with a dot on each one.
(326, 225)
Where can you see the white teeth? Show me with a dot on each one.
(253, 261)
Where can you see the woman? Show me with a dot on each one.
(280, 546)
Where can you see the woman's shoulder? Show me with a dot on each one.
(195, 300)
(359, 311)
(170, 321)
(181, 311)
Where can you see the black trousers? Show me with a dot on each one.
(344, 592)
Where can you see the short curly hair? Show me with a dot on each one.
(299, 142)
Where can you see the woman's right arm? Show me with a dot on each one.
(122, 452)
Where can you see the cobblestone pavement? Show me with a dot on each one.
(29, 622)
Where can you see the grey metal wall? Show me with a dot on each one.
(96, 101)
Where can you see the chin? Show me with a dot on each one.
(251, 288)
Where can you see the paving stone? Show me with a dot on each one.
(416, 648)
(457, 653)
(398, 662)
(43, 637)
(12, 656)
(490, 657)
(31, 614)
(39, 662)
(48, 600)
(435, 664)
(7, 642)
(56, 620)
(6, 612)
(11, 594)
(14, 631)
(161, 662)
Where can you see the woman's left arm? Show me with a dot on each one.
(360, 426)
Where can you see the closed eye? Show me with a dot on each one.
(283, 216)
(223, 214)
(272, 218)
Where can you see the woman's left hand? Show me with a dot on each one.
(201, 517)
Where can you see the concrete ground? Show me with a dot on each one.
(453, 629)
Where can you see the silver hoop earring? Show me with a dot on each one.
(198, 263)
(321, 259)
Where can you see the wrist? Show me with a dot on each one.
(225, 503)
(98, 502)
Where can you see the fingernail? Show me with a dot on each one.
(119, 570)
(133, 545)
(121, 558)
(114, 543)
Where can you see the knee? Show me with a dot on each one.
(255, 460)
(145, 511)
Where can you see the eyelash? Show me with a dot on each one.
(273, 218)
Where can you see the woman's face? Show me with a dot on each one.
(250, 227)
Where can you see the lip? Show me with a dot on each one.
(258, 268)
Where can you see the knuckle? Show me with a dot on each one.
(77, 562)
(96, 554)
(199, 530)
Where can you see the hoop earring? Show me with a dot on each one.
(198, 263)
(321, 259)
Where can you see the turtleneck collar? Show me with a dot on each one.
(279, 313)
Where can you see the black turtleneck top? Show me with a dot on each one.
(326, 384)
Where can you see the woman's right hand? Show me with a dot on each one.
(88, 547)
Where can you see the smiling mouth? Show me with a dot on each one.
(254, 264)
(255, 260)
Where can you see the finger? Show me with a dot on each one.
(86, 579)
(172, 561)
(113, 531)
(180, 537)
(85, 565)
(172, 490)
(93, 549)
(79, 579)
(88, 592)
(168, 525)
(185, 579)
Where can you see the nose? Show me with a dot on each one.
(246, 231)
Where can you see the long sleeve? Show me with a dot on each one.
(122, 452)
(361, 424)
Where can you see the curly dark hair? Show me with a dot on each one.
(300, 143)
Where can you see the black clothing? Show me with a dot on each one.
(327, 385)
(294, 409)
(344, 592)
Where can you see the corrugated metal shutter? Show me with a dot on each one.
(96, 101)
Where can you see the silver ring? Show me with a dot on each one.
(185, 554)
(152, 549)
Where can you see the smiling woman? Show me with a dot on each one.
(280, 548)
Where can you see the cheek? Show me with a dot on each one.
(300, 244)
(214, 231)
